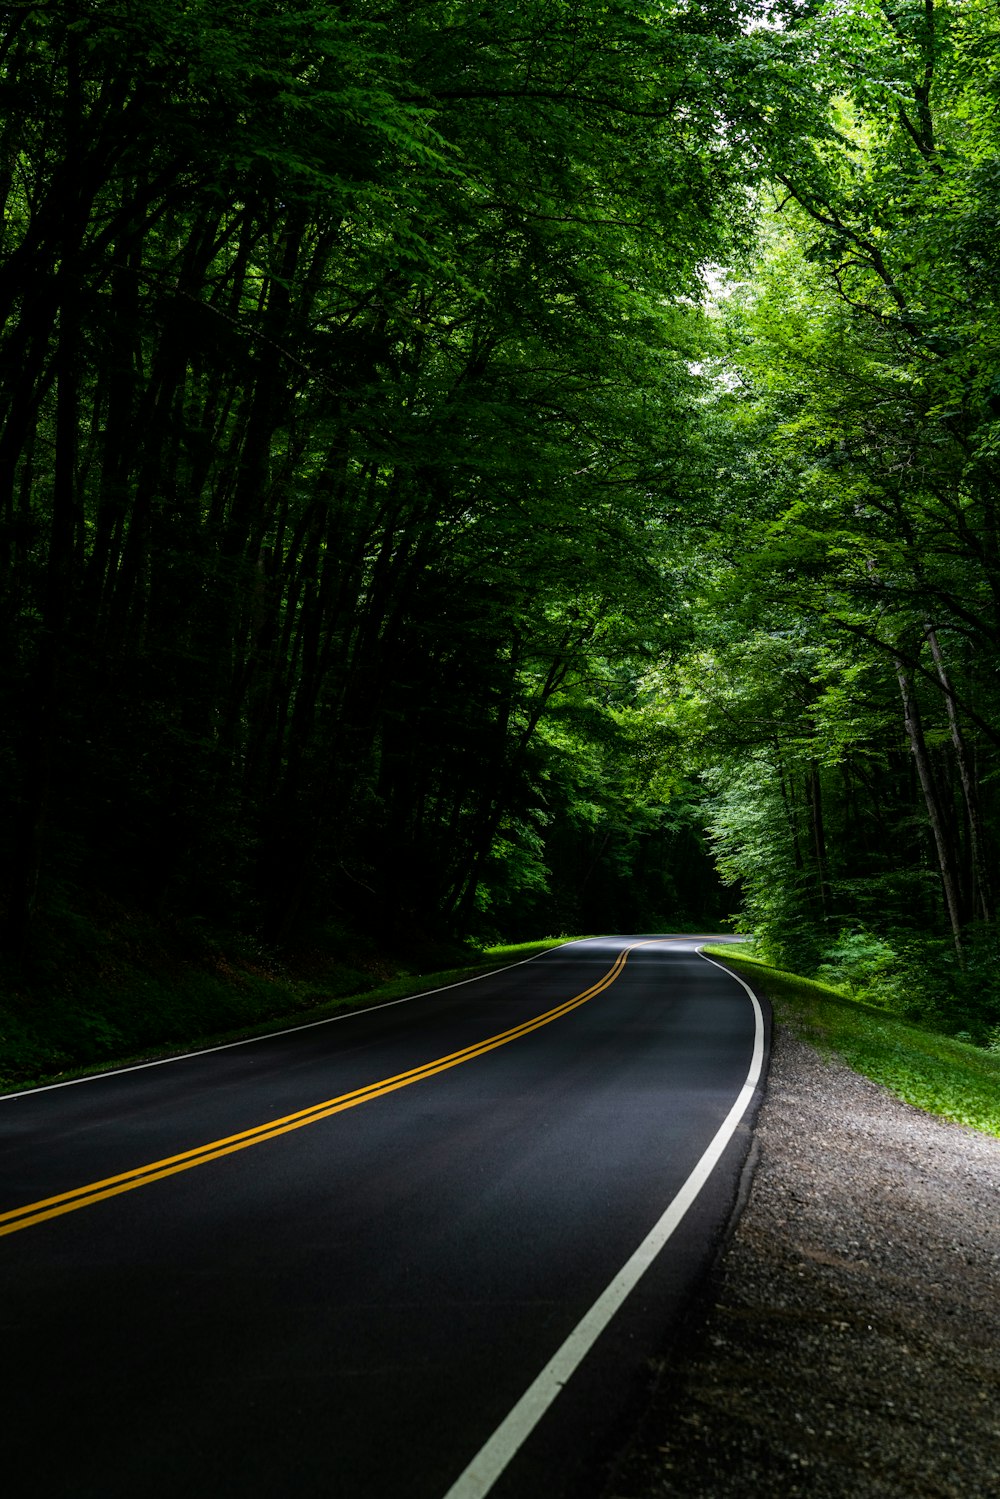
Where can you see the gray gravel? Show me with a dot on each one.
(853, 1343)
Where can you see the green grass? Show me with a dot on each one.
(145, 1014)
(924, 1068)
(516, 952)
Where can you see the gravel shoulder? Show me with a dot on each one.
(851, 1342)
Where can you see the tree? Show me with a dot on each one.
(347, 352)
(857, 385)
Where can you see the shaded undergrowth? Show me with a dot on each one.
(119, 990)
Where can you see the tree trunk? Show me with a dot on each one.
(790, 814)
(945, 852)
(814, 797)
(981, 883)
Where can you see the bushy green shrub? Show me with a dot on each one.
(920, 978)
(866, 965)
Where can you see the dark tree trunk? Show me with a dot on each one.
(947, 863)
(981, 883)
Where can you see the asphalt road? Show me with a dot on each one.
(332, 1262)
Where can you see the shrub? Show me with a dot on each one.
(919, 978)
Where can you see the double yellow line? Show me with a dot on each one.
(141, 1176)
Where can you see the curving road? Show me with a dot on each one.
(421, 1251)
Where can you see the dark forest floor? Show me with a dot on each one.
(106, 984)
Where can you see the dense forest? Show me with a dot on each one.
(501, 470)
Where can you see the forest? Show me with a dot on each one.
(478, 472)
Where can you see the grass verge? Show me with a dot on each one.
(166, 1013)
(924, 1068)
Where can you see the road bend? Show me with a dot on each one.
(418, 1251)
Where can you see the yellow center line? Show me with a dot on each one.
(112, 1186)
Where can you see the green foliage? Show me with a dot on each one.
(401, 526)
(919, 977)
(845, 696)
(934, 1072)
(867, 966)
(351, 371)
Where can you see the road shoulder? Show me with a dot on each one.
(852, 1346)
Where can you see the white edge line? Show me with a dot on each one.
(491, 1460)
(307, 1025)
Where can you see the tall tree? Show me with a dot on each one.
(346, 381)
(858, 389)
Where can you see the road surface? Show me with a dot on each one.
(424, 1250)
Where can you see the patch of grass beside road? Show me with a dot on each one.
(924, 1068)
